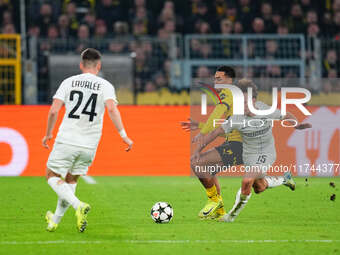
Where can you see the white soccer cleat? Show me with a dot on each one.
(227, 218)
(51, 226)
(288, 180)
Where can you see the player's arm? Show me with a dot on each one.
(208, 126)
(115, 117)
(205, 140)
(51, 120)
(292, 120)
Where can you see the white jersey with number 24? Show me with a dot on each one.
(84, 96)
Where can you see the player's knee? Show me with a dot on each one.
(50, 174)
(247, 184)
(257, 190)
(195, 166)
(71, 178)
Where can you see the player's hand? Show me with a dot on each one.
(195, 157)
(303, 126)
(129, 142)
(45, 140)
(198, 138)
(190, 125)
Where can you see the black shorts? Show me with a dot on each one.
(231, 153)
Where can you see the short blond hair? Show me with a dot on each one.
(244, 84)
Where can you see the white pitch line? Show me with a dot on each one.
(163, 241)
(89, 179)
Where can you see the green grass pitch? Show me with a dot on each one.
(277, 221)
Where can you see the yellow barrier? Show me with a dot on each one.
(10, 69)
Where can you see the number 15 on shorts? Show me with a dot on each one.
(261, 159)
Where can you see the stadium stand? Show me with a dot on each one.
(145, 27)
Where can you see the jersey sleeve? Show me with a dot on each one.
(109, 93)
(276, 115)
(208, 126)
(222, 108)
(61, 92)
(233, 123)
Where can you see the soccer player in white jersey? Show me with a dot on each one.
(85, 97)
(258, 149)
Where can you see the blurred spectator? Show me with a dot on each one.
(34, 31)
(45, 18)
(139, 28)
(8, 29)
(100, 29)
(220, 7)
(7, 18)
(71, 13)
(330, 62)
(277, 20)
(117, 47)
(150, 86)
(142, 69)
(245, 13)
(83, 32)
(91, 22)
(266, 11)
(226, 26)
(313, 30)
(121, 29)
(295, 21)
(206, 50)
(201, 15)
(170, 26)
(159, 80)
(83, 36)
(271, 49)
(258, 26)
(63, 23)
(52, 32)
(202, 27)
(110, 11)
(203, 73)
(312, 17)
(335, 29)
(238, 28)
(282, 29)
(195, 47)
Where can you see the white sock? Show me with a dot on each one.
(274, 181)
(240, 203)
(62, 205)
(64, 191)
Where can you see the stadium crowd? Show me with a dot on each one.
(126, 21)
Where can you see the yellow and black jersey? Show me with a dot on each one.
(223, 109)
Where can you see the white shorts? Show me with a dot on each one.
(66, 158)
(258, 164)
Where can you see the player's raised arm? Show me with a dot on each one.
(114, 114)
(300, 126)
(51, 120)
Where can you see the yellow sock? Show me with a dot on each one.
(220, 211)
(212, 193)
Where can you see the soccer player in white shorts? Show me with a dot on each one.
(85, 97)
(258, 149)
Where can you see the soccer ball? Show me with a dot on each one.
(162, 212)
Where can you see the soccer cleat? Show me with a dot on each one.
(210, 209)
(288, 180)
(218, 214)
(226, 218)
(81, 214)
(51, 226)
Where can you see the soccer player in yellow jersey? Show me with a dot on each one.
(229, 153)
